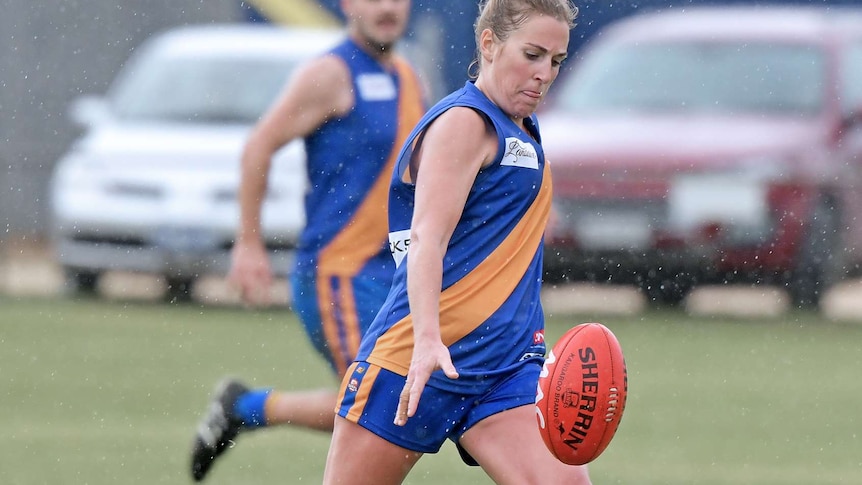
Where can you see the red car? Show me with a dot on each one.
(708, 145)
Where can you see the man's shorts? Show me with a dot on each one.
(350, 310)
(369, 397)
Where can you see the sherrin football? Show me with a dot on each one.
(582, 393)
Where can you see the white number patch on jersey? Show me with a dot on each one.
(376, 87)
(399, 242)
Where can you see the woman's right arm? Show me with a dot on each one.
(454, 149)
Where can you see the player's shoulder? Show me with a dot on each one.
(463, 117)
(463, 122)
(326, 71)
(465, 130)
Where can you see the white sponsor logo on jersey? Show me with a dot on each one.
(376, 87)
(399, 242)
(520, 154)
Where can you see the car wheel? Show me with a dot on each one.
(81, 282)
(179, 290)
(820, 261)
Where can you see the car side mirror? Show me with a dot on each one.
(89, 110)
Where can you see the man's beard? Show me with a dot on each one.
(381, 47)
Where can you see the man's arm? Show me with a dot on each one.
(319, 91)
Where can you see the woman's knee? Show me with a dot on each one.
(359, 457)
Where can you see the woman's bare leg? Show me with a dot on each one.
(510, 449)
(359, 457)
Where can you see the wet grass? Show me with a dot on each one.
(104, 392)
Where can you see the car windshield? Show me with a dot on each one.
(200, 90)
(722, 77)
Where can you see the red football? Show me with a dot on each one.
(582, 393)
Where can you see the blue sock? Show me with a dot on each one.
(249, 408)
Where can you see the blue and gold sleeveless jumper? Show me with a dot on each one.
(343, 268)
(490, 310)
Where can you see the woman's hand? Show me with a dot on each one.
(426, 359)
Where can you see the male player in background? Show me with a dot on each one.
(354, 107)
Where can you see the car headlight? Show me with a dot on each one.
(77, 167)
(74, 176)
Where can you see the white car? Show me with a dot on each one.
(152, 185)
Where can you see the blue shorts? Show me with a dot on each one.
(369, 397)
(336, 313)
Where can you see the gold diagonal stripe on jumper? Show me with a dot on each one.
(469, 302)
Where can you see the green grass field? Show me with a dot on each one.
(96, 392)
